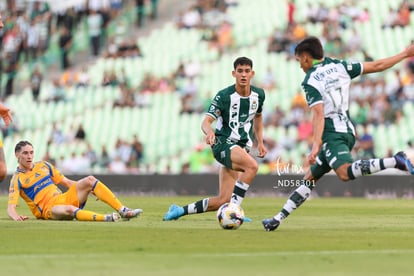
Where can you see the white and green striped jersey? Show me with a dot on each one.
(235, 114)
(328, 82)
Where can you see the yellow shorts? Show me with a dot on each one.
(70, 197)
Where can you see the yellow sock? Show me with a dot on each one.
(84, 215)
(103, 193)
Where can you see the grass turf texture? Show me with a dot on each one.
(324, 237)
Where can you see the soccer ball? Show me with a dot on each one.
(230, 216)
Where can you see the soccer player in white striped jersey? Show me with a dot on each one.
(326, 86)
(238, 111)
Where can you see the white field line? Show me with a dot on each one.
(215, 255)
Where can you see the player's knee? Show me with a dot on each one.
(220, 200)
(342, 176)
(91, 180)
(69, 210)
(223, 200)
(219, 203)
(342, 172)
(253, 167)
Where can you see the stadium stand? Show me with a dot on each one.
(169, 136)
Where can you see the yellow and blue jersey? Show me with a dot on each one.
(37, 186)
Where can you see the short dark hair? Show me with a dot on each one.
(21, 144)
(311, 45)
(242, 61)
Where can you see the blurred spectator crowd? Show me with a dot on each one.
(29, 27)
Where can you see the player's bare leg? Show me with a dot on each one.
(69, 212)
(247, 166)
(227, 179)
(90, 184)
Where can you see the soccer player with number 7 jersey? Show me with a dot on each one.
(326, 86)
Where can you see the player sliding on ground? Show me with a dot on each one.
(326, 86)
(36, 182)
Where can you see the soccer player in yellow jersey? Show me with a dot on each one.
(36, 183)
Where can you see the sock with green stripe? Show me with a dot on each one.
(239, 192)
(370, 166)
(294, 201)
(196, 207)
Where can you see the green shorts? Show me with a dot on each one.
(336, 151)
(222, 149)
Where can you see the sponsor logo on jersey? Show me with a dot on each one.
(234, 116)
(43, 184)
(319, 76)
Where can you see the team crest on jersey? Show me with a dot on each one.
(254, 105)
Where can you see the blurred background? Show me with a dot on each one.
(120, 87)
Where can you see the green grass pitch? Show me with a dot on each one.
(335, 236)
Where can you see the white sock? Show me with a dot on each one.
(239, 192)
(367, 167)
(293, 202)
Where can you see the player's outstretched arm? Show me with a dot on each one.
(67, 182)
(5, 113)
(11, 211)
(385, 63)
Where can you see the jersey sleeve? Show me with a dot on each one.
(313, 96)
(14, 191)
(215, 107)
(261, 101)
(55, 174)
(354, 69)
